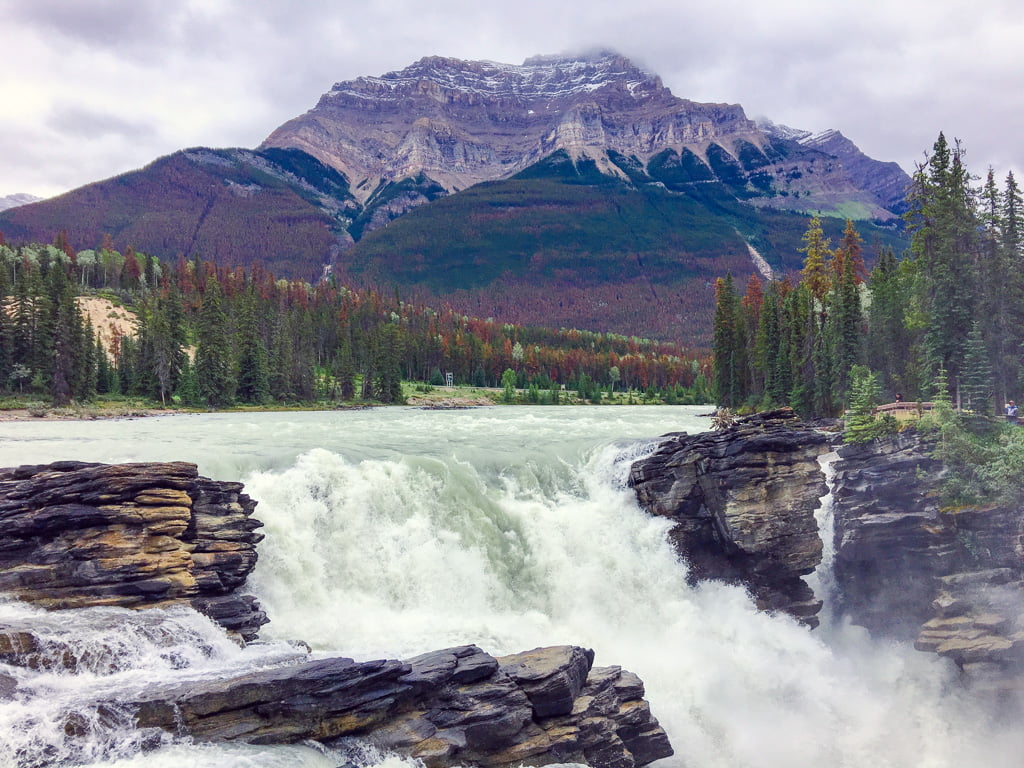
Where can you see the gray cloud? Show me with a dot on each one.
(158, 75)
(85, 123)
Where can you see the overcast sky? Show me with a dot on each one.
(93, 88)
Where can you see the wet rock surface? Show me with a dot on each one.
(133, 535)
(742, 501)
(455, 706)
(950, 579)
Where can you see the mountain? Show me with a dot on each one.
(886, 181)
(20, 198)
(459, 123)
(280, 207)
(569, 190)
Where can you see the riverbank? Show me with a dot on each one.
(86, 413)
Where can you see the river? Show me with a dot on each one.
(390, 532)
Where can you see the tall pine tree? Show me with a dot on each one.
(215, 374)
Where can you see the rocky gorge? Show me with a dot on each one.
(743, 499)
(159, 536)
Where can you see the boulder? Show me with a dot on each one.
(742, 501)
(456, 706)
(133, 535)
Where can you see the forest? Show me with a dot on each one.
(944, 320)
(209, 336)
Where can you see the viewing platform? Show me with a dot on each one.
(905, 410)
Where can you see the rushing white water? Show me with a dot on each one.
(393, 532)
(822, 581)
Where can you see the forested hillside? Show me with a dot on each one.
(947, 320)
(258, 339)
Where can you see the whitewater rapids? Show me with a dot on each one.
(392, 532)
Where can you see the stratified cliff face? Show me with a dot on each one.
(891, 544)
(463, 122)
(132, 535)
(952, 579)
(743, 502)
(886, 181)
(460, 123)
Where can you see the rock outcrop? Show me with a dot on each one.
(952, 579)
(456, 706)
(132, 535)
(743, 501)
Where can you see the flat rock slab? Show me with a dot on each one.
(455, 706)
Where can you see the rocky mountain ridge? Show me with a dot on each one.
(572, 191)
(464, 122)
(20, 198)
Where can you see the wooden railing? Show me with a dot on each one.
(905, 410)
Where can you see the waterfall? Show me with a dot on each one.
(822, 581)
(394, 532)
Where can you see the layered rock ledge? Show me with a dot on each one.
(456, 706)
(949, 579)
(742, 501)
(133, 535)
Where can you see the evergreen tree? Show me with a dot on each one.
(1013, 255)
(847, 327)
(214, 365)
(943, 229)
(104, 371)
(861, 424)
(768, 346)
(281, 355)
(976, 389)
(389, 373)
(729, 346)
(815, 272)
(750, 318)
(126, 366)
(86, 379)
(345, 373)
(6, 332)
(888, 339)
(303, 355)
(253, 384)
(188, 385)
(995, 289)
(851, 249)
(169, 343)
(801, 326)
